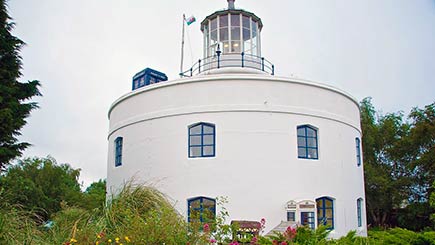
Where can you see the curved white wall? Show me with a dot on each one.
(256, 164)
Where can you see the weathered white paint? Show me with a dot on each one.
(256, 164)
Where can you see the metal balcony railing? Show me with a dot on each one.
(230, 60)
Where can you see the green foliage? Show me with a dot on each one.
(13, 94)
(399, 163)
(95, 196)
(40, 185)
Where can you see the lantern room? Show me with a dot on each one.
(231, 31)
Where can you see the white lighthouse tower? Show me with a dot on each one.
(284, 149)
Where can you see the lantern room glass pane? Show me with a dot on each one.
(246, 22)
(246, 34)
(213, 24)
(235, 33)
(235, 20)
(223, 34)
(235, 47)
(223, 21)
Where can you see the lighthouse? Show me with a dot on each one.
(284, 149)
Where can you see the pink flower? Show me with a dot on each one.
(213, 241)
(283, 243)
(234, 243)
(206, 228)
(263, 221)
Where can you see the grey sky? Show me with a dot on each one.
(85, 53)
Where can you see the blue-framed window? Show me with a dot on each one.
(358, 151)
(291, 216)
(201, 209)
(118, 151)
(307, 218)
(359, 211)
(307, 142)
(202, 138)
(325, 212)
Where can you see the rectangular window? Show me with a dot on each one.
(358, 151)
(307, 142)
(202, 140)
(359, 212)
(118, 151)
(291, 216)
(307, 218)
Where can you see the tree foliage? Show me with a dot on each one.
(399, 165)
(13, 94)
(41, 185)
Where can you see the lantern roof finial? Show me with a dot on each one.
(231, 4)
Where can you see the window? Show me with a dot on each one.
(291, 216)
(358, 211)
(307, 142)
(307, 218)
(358, 151)
(325, 212)
(202, 140)
(118, 151)
(201, 209)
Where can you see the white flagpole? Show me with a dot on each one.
(182, 46)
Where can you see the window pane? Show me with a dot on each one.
(319, 203)
(213, 24)
(312, 142)
(301, 142)
(290, 216)
(208, 150)
(208, 139)
(195, 204)
(208, 129)
(301, 131)
(246, 22)
(302, 152)
(195, 151)
(235, 20)
(329, 213)
(208, 204)
(214, 36)
(223, 34)
(195, 130)
(328, 203)
(246, 34)
(223, 21)
(312, 153)
(235, 47)
(254, 29)
(311, 132)
(195, 140)
(235, 33)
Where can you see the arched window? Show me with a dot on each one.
(325, 212)
(202, 140)
(358, 151)
(201, 209)
(118, 151)
(359, 211)
(307, 142)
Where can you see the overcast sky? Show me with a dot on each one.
(85, 52)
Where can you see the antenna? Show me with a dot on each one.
(231, 4)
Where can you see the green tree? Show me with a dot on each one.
(387, 177)
(41, 185)
(13, 94)
(95, 195)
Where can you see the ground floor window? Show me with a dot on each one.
(291, 216)
(358, 211)
(201, 209)
(307, 218)
(325, 212)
